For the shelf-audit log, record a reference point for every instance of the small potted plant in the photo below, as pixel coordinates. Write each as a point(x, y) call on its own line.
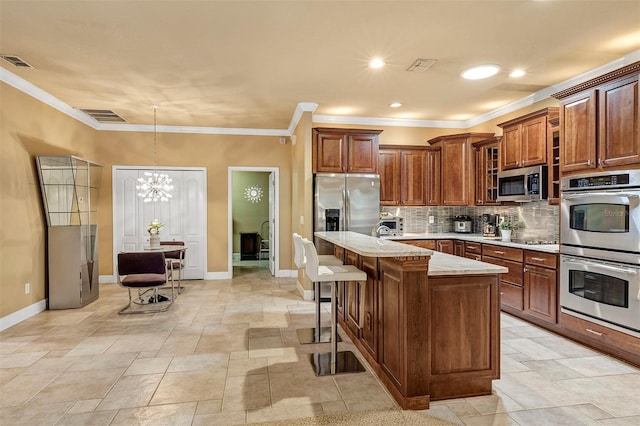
point(506, 227)
point(154, 233)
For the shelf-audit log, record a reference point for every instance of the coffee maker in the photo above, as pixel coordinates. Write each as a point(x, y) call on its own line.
point(490, 225)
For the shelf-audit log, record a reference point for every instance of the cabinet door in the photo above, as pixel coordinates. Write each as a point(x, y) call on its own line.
point(486, 183)
point(619, 115)
point(578, 132)
point(352, 294)
point(534, 142)
point(458, 248)
point(445, 246)
point(389, 170)
point(413, 172)
point(540, 297)
point(331, 152)
point(456, 174)
point(480, 173)
point(369, 311)
point(363, 153)
point(511, 145)
point(433, 177)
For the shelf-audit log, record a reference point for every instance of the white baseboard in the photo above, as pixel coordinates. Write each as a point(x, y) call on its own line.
point(306, 294)
point(23, 314)
point(218, 275)
point(107, 279)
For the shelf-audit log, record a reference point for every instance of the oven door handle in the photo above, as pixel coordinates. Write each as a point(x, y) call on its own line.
point(627, 271)
point(598, 194)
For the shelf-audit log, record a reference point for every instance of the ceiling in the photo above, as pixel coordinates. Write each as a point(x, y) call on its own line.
point(248, 64)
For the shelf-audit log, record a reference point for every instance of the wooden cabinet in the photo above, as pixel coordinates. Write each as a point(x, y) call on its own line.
point(600, 122)
point(511, 283)
point(249, 245)
point(541, 285)
point(445, 246)
point(457, 166)
point(345, 150)
point(369, 297)
point(428, 244)
point(433, 177)
point(403, 176)
point(352, 296)
point(473, 250)
point(487, 157)
point(524, 139)
point(458, 248)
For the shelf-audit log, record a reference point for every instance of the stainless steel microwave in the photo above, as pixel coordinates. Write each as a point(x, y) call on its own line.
point(523, 185)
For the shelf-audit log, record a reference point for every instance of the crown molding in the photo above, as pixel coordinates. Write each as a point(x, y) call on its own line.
point(34, 91)
point(30, 89)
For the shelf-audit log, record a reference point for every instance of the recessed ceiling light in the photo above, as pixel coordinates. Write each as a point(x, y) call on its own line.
point(480, 72)
point(395, 105)
point(517, 73)
point(376, 63)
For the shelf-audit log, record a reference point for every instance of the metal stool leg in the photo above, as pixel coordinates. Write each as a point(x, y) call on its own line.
point(318, 334)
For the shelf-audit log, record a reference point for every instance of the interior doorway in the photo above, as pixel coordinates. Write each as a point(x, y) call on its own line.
point(253, 219)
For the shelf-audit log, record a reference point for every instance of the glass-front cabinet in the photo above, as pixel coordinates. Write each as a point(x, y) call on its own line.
point(70, 187)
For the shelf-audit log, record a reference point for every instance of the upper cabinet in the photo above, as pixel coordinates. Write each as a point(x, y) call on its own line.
point(599, 122)
point(457, 167)
point(487, 156)
point(345, 150)
point(403, 176)
point(524, 139)
point(553, 159)
point(433, 177)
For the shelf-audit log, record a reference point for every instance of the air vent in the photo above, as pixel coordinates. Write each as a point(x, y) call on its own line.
point(421, 65)
point(16, 61)
point(104, 115)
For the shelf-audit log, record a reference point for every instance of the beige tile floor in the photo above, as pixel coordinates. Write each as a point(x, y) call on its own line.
point(227, 353)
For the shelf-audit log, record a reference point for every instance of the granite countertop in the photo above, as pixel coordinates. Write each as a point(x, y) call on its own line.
point(476, 238)
point(439, 264)
point(368, 246)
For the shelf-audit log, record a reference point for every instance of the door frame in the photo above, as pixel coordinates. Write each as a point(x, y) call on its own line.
point(205, 240)
point(274, 208)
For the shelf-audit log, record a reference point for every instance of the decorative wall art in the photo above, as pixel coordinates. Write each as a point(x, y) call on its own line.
point(253, 194)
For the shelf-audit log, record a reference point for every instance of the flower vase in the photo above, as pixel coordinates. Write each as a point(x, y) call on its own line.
point(154, 241)
point(505, 234)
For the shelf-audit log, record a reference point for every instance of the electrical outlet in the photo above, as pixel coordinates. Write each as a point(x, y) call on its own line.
point(432, 219)
point(301, 220)
point(27, 288)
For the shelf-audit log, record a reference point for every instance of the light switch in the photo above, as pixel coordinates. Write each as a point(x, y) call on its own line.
point(432, 219)
point(301, 220)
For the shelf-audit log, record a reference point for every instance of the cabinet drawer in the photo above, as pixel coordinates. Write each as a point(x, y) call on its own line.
point(473, 247)
point(502, 252)
point(473, 256)
point(547, 260)
point(511, 295)
point(600, 333)
point(428, 244)
point(514, 276)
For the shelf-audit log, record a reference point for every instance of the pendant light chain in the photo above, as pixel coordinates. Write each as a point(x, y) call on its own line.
point(156, 186)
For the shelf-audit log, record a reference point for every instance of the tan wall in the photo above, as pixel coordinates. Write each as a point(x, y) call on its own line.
point(29, 128)
point(215, 152)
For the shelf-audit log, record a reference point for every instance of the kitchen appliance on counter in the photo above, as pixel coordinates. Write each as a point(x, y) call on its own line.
point(600, 249)
point(523, 185)
point(394, 224)
point(490, 224)
point(345, 202)
point(463, 224)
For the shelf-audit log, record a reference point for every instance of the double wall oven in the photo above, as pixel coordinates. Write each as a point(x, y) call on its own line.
point(600, 249)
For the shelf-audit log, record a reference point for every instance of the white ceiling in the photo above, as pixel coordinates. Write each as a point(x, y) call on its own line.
point(248, 64)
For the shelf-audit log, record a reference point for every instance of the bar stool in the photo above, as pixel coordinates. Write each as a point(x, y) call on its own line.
point(332, 362)
point(315, 334)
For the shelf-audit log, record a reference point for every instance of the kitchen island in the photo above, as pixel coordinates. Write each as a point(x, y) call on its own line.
point(428, 323)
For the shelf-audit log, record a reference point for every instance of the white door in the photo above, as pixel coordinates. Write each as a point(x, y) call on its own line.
point(272, 191)
point(183, 216)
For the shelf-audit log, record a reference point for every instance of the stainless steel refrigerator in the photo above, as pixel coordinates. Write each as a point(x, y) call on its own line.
point(345, 202)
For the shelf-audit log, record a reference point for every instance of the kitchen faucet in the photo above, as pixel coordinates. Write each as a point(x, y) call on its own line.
point(377, 231)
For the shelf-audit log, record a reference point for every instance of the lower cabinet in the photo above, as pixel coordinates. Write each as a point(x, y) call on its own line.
point(369, 296)
point(352, 295)
point(540, 286)
point(511, 283)
point(445, 246)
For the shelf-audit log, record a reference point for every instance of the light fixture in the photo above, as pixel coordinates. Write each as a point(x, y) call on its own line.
point(376, 63)
point(480, 72)
point(154, 186)
point(395, 105)
point(517, 73)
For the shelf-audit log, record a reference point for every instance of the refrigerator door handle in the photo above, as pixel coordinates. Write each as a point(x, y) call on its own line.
point(347, 212)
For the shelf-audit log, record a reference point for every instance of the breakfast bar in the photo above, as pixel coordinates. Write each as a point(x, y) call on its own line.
point(428, 323)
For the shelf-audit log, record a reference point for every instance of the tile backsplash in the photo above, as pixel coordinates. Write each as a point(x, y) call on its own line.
point(537, 220)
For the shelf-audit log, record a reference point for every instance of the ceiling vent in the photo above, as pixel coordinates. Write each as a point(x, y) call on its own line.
point(421, 65)
point(104, 115)
point(16, 61)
